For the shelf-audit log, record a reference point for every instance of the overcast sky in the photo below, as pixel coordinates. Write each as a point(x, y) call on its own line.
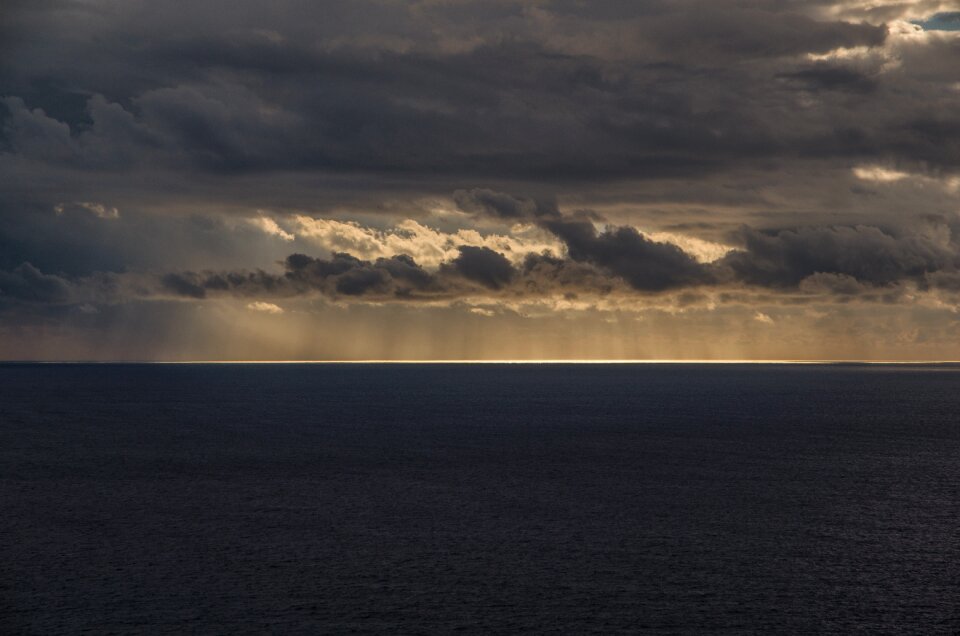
point(377, 179)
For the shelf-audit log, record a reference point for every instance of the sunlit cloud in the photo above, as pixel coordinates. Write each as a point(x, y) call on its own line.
point(885, 175)
point(763, 318)
point(264, 307)
point(879, 173)
point(702, 250)
point(269, 226)
point(429, 247)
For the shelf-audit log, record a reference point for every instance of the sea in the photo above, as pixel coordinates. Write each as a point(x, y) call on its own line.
point(479, 498)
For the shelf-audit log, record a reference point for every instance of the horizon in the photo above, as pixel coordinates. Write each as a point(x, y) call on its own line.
point(824, 362)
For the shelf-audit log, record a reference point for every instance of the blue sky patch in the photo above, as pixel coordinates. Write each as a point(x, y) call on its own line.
point(949, 21)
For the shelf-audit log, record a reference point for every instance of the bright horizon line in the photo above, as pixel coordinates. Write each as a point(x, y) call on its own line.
point(500, 361)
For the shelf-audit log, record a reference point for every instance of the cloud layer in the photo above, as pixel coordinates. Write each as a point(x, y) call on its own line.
point(477, 157)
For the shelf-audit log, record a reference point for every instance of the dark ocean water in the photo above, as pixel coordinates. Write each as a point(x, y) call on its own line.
point(301, 499)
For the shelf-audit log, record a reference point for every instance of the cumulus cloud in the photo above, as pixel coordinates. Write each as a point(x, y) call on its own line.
point(837, 261)
point(428, 246)
point(341, 275)
point(645, 264)
point(483, 265)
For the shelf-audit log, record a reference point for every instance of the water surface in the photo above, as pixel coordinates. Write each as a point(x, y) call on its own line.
point(479, 498)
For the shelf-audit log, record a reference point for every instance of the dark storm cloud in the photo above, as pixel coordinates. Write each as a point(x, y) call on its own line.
point(865, 254)
point(744, 32)
point(129, 105)
point(341, 275)
point(545, 275)
point(183, 285)
point(398, 275)
point(408, 93)
point(27, 283)
point(504, 206)
point(483, 265)
point(829, 77)
point(28, 293)
point(476, 272)
point(646, 265)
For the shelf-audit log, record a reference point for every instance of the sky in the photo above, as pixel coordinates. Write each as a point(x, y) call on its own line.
point(479, 179)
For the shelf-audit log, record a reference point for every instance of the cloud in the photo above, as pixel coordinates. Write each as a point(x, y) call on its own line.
point(269, 226)
point(483, 201)
point(591, 260)
point(98, 210)
point(879, 173)
point(509, 154)
point(267, 308)
point(342, 275)
point(426, 245)
point(763, 318)
point(483, 265)
point(823, 76)
point(183, 285)
point(837, 261)
point(27, 283)
point(867, 254)
point(736, 31)
point(32, 134)
point(645, 264)
point(221, 102)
